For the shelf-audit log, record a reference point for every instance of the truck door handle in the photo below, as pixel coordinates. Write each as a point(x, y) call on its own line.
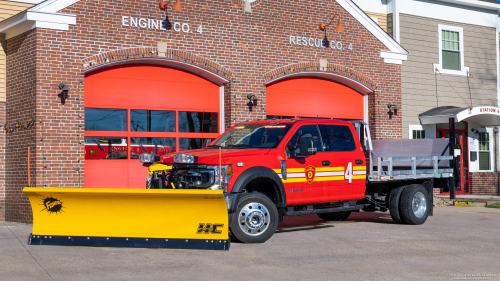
point(359, 162)
point(326, 163)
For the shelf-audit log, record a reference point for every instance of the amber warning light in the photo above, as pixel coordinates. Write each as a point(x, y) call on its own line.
point(275, 126)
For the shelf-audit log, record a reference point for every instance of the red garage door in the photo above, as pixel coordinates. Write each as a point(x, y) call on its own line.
point(313, 97)
point(135, 109)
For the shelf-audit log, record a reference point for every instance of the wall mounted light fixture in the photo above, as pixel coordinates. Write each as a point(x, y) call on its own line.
point(252, 101)
point(390, 112)
point(176, 6)
point(323, 27)
point(64, 92)
point(164, 7)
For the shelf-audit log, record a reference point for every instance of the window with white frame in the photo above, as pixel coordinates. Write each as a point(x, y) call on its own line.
point(417, 132)
point(451, 50)
point(484, 151)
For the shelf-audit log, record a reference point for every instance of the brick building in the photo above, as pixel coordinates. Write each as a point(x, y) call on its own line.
point(143, 79)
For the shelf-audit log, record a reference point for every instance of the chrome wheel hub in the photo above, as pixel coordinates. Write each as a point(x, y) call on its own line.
point(254, 219)
point(419, 204)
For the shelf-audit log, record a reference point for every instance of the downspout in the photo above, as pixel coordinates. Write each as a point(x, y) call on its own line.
point(393, 7)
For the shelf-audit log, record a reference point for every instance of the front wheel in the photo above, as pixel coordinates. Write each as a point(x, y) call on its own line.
point(336, 216)
point(255, 219)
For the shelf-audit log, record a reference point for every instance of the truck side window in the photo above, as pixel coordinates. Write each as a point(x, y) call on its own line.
point(306, 131)
point(337, 138)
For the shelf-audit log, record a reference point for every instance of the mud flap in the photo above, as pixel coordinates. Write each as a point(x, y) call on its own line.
point(146, 218)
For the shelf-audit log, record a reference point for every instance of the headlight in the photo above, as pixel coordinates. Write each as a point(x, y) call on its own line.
point(185, 158)
point(146, 158)
point(227, 173)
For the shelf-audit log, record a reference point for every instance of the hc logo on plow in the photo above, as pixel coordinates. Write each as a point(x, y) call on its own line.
point(209, 228)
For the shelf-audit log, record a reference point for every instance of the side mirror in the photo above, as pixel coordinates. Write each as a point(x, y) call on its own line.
point(307, 147)
point(207, 142)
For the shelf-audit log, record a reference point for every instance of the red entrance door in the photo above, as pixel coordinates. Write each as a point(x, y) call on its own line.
point(461, 134)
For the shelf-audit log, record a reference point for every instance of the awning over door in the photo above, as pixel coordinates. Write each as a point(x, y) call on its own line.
point(482, 115)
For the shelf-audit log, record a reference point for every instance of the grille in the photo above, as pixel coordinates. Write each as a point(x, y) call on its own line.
point(196, 178)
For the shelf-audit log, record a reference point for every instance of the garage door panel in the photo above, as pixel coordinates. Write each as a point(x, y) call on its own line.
point(141, 87)
point(152, 87)
point(311, 96)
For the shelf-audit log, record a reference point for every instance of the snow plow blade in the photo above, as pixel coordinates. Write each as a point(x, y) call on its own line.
point(143, 218)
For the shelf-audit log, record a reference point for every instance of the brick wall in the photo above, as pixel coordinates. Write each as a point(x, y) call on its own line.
point(249, 44)
point(20, 107)
point(484, 183)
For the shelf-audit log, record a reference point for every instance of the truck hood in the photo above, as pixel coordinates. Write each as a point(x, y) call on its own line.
point(211, 156)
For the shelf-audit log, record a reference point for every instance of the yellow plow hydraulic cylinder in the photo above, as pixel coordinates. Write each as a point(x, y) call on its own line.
point(145, 218)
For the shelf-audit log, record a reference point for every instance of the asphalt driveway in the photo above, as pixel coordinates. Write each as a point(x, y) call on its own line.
point(457, 242)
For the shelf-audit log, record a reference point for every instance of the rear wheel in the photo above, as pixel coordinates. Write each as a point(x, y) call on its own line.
point(394, 199)
point(414, 204)
point(335, 216)
point(255, 219)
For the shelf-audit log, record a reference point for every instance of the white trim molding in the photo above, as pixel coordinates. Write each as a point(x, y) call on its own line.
point(463, 69)
point(27, 1)
point(221, 110)
point(391, 57)
point(32, 19)
point(42, 15)
point(377, 31)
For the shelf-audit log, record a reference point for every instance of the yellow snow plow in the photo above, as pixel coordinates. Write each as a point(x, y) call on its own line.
point(144, 218)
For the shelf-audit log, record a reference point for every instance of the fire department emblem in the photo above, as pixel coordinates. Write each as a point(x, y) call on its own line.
point(310, 172)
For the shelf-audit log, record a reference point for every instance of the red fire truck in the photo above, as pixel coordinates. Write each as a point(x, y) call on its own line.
point(269, 169)
point(116, 148)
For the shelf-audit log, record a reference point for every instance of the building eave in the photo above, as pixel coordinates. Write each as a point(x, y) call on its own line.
point(396, 54)
point(28, 20)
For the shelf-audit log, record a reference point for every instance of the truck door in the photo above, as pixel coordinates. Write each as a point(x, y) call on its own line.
point(300, 185)
point(343, 166)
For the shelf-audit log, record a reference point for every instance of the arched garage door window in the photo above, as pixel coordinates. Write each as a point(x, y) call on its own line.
point(312, 97)
point(135, 109)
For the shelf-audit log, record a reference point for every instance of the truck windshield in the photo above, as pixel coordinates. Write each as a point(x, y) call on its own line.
point(252, 136)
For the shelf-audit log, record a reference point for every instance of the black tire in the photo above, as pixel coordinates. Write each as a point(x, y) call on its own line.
point(394, 199)
point(335, 216)
point(406, 207)
point(255, 219)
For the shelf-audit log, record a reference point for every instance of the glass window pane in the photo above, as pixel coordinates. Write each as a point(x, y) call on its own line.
point(190, 143)
point(105, 148)
point(451, 60)
point(337, 138)
point(306, 131)
point(103, 119)
point(484, 160)
point(157, 146)
point(414, 134)
point(190, 122)
point(152, 121)
point(423, 134)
